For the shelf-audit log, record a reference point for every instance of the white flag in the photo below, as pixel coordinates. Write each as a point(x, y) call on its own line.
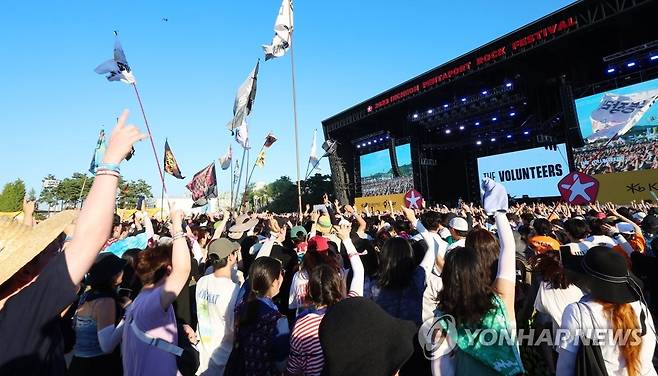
point(617, 114)
point(117, 68)
point(283, 27)
point(241, 135)
point(225, 160)
point(313, 157)
point(244, 99)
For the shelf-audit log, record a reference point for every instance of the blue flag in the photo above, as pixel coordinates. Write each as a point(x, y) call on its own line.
point(98, 152)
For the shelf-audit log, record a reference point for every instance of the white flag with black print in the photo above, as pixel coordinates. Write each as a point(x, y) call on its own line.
point(244, 99)
point(225, 160)
point(313, 156)
point(117, 68)
point(242, 136)
point(283, 27)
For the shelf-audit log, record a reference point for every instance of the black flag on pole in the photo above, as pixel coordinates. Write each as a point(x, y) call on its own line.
point(203, 186)
point(170, 164)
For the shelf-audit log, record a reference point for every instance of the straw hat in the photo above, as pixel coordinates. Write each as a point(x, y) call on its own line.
point(19, 243)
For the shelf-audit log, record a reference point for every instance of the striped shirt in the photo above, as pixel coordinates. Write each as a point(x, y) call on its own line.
point(305, 351)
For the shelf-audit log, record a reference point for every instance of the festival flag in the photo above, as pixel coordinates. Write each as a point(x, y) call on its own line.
point(618, 113)
point(313, 159)
point(260, 159)
point(269, 140)
point(99, 151)
point(283, 27)
point(242, 136)
point(244, 100)
point(203, 186)
point(225, 160)
point(170, 164)
point(117, 68)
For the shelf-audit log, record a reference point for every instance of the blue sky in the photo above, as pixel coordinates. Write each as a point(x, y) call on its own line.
point(380, 161)
point(189, 68)
point(586, 105)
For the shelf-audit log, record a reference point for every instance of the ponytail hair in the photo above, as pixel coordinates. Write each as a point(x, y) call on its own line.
point(548, 266)
point(262, 274)
point(151, 264)
point(623, 319)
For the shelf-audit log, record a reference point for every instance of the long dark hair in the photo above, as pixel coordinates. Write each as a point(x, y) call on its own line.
point(325, 286)
point(396, 264)
point(467, 293)
point(151, 264)
point(262, 274)
point(314, 258)
point(548, 266)
point(487, 248)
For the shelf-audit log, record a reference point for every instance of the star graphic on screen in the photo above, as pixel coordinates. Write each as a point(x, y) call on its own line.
point(578, 189)
point(413, 200)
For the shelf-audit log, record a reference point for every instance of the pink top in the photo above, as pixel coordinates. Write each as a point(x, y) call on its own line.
point(140, 358)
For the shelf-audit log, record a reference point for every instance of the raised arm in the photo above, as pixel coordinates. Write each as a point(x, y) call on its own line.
point(495, 202)
point(430, 254)
point(219, 229)
point(358, 272)
point(94, 223)
point(180, 263)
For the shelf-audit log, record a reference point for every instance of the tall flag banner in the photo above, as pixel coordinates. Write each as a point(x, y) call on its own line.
point(242, 136)
point(283, 27)
point(225, 160)
point(117, 68)
point(170, 164)
point(313, 159)
point(236, 172)
point(203, 186)
point(244, 100)
point(99, 151)
point(269, 141)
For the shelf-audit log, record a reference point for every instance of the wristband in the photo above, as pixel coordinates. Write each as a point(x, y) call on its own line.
point(178, 235)
point(107, 172)
point(109, 166)
point(350, 255)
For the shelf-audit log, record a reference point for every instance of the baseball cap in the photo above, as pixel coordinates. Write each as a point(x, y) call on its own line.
point(318, 243)
point(222, 247)
point(459, 224)
point(625, 228)
point(639, 216)
point(296, 230)
point(324, 224)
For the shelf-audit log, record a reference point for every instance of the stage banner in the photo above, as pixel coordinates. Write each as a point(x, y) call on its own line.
point(379, 202)
point(624, 187)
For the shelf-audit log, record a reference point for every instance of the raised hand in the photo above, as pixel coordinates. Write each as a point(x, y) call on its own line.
point(409, 214)
point(121, 141)
point(343, 231)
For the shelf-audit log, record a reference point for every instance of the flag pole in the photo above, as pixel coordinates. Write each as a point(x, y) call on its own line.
point(84, 182)
point(162, 201)
point(232, 176)
point(237, 190)
point(148, 129)
point(294, 110)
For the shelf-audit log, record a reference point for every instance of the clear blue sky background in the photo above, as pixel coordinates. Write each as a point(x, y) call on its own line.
point(189, 68)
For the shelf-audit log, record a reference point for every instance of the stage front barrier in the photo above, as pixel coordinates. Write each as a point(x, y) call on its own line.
point(379, 202)
point(624, 187)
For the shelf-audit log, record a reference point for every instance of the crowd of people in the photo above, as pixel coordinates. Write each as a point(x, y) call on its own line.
point(386, 186)
point(401, 292)
point(621, 156)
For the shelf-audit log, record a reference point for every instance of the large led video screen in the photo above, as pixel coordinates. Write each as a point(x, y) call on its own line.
point(380, 177)
point(531, 172)
point(630, 109)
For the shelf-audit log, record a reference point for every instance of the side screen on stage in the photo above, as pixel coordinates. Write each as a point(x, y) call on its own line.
point(631, 109)
point(531, 172)
point(379, 175)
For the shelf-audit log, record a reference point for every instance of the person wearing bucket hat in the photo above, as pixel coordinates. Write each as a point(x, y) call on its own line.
point(97, 321)
point(243, 223)
point(615, 304)
point(31, 337)
point(216, 296)
point(359, 338)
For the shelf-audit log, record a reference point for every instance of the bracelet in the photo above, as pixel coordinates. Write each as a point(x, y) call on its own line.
point(109, 166)
point(107, 172)
point(350, 255)
point(178, 235)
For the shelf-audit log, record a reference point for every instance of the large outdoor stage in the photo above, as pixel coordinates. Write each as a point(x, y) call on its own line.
point(524, 109)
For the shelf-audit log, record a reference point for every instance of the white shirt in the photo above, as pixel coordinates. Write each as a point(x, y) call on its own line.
point(215, 303)
point(553, 301)
point(614, 362)
point(459, 243)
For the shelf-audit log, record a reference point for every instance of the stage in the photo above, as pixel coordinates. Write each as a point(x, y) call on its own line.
point(516, 108)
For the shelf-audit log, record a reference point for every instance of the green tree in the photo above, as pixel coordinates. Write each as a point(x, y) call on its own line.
point(130, 190)
point(283, 195)
point(11, 198)
point(49, 194)
point(315, 187)
point(68, 192)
